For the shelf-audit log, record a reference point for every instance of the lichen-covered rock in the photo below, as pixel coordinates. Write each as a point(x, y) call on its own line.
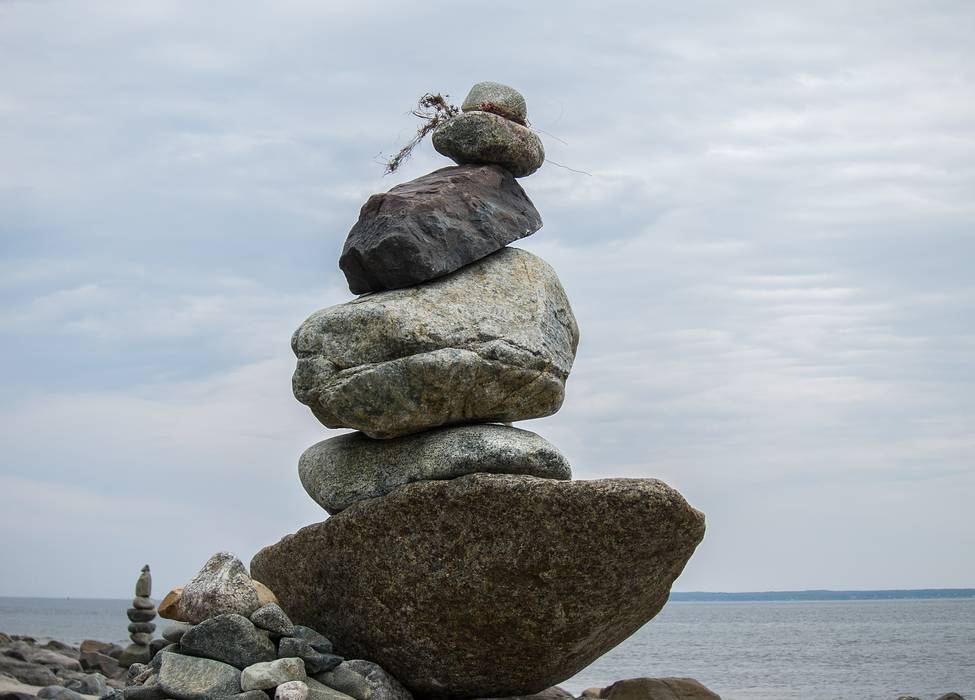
point(483, 137)
point(489, 587)
point(272, 618)
point(271, 674)
point(191, 678)
point(431, 226)
point(342, 470)
point(493, 341)
point(500, 99)
point(364, 680)
point(230, 638)
point(222, 586)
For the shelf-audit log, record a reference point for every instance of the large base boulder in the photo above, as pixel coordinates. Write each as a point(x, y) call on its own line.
point(487, 585)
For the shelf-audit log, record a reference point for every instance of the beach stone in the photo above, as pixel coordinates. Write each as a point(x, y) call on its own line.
point(169, 605)
point(143, 603)
point(433, 225)
point(192, 678)
point(265, 595)
point(951, 696)
point(315, 661)
point(489, 583)
point(146, 627)
point(364, 680)
point(483, 137)
point(553, 693)
point(157, 645)
point(134, 653)
point(272, 618)
point(49, 657)
point(173, 632)
point(251, 695)
point(93, 645)
point(270, 674)
point(144, 692)
point(141, 638)
point(96, 661)
point(16, 695)
point(58, 692)
point(319, 642)
point(136, 615)
point(658, 689)
point(320, 691)
point(87, 684)
point(342, 470)
point(230, 638)
point(26, 672)
point(500, 99)
point(137, 672)
point(222, 586)
point(292, 690)
point(494, 341)
point(143, 585)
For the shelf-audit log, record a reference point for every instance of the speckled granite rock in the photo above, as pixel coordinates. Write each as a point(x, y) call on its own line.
point(500, 99)
point(342, 470)
point(364, 680)
point(483, 137)
point(191, 678)
point(658, 689)
point(433, 225)
point(493, 341)
point(491, 586)
point(230, 638)
point(221, 586)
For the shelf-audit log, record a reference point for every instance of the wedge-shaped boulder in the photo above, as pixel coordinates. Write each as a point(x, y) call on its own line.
point(493, 341)
point(221, 586)
point(431, 226)
point(342, 470)
point(487, 585)
point(484, 137)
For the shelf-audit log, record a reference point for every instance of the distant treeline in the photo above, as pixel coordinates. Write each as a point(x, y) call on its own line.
point(827, 595)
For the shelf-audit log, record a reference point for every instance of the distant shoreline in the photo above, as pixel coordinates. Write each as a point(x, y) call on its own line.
point(823, 595)
point(719, 596)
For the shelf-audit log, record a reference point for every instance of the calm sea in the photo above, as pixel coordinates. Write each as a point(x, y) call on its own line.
point(830, 650)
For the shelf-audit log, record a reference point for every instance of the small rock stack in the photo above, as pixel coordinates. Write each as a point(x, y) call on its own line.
point(231, 639)
point(141, 625)
point(459, 554)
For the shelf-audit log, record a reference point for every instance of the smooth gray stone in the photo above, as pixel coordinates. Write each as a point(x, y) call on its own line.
point(497, 574)
point(364, 680)
point(291, 690)
point(342, 470)
point(271, 674)
point(500, 99)
point(272, 618)
point(433, 225)
point(251, 695)
point(174, 631)
point(141, 638)
point(230, 638)
point(144, 692)
point(157, 645)
point(134, 653)
point(137, 615)
point(58, 692)
point(315, 661)
point(319, 642)
point(320, 691)
point(144, 627)
point(221, 586)
point(87, 684)
point(483, 137)
point(143, 603)
point(191, 678)
point(143, 586)
point(494, 341)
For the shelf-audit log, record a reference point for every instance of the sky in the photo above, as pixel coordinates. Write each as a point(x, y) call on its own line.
point(769, 253)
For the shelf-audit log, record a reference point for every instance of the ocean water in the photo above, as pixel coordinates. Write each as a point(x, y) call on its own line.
point(828, 650)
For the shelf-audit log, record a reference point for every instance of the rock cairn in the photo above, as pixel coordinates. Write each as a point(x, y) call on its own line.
point(460, 555)
point(231, 639)
point(141, 625)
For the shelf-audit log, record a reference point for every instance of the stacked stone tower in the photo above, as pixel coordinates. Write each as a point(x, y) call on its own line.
point(460, 556)
point(141, 625)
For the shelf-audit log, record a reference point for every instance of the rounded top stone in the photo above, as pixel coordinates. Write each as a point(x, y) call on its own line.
point(497, 98)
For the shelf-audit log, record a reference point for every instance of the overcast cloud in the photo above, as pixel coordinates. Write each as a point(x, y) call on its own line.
point(771, 264)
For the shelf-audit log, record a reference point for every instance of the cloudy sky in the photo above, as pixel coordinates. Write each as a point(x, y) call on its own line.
point(771, 261)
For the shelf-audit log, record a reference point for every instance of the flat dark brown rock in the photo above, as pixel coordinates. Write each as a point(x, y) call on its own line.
point(433, 225)
point(486, 585)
